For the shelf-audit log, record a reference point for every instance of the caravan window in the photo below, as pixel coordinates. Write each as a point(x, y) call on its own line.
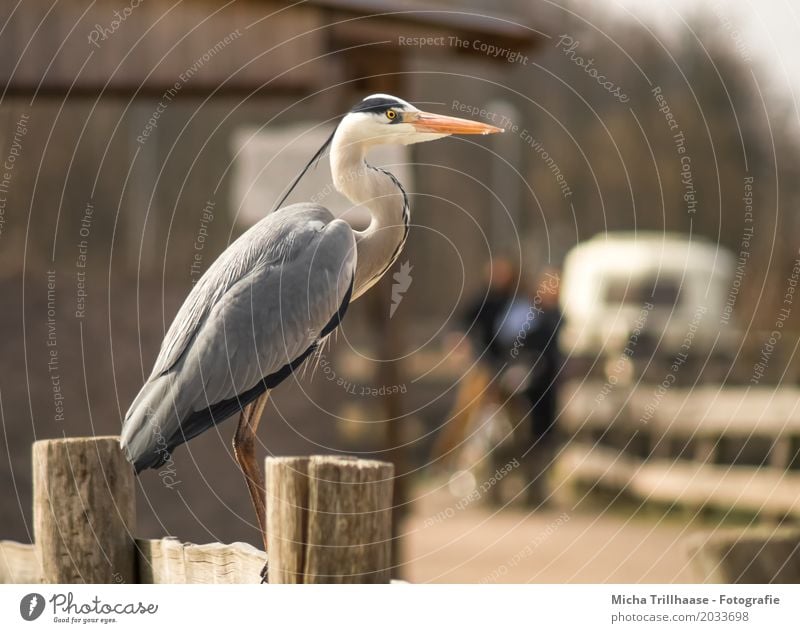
point(660, 291)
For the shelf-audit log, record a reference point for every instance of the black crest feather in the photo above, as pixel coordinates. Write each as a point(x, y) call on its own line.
point(376, 104)
point(314, 160)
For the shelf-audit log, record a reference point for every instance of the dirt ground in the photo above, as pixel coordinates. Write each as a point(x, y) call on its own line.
point(474, 543)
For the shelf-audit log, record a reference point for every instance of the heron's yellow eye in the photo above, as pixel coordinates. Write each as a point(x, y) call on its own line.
point(391, 115)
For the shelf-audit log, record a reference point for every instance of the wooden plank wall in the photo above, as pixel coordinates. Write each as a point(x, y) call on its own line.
point(87, 43)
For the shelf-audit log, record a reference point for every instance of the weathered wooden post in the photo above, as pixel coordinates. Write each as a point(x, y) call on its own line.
point(83, 510)
point(329, 519)
point(755, 555)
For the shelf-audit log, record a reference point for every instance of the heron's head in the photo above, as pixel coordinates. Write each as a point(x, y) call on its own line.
point(384, 119)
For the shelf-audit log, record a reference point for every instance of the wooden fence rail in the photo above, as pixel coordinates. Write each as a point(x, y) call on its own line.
point(328, 521)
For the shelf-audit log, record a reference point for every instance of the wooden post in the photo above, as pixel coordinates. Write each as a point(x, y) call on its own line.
point(759, 555)
point(329, 520)
point(83, 510)
point(287, 515)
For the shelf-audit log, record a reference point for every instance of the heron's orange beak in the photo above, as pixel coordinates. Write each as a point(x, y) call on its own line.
point(440, 124)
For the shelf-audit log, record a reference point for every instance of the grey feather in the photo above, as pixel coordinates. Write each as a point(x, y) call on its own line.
point(261, 305)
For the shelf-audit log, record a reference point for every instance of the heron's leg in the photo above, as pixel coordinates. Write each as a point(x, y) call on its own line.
point(244, 448)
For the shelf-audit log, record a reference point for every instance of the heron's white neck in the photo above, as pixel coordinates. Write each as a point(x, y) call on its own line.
point(381, 242)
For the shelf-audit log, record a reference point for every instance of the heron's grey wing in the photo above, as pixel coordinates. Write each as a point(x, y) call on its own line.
point(233, 264)
point(273, 315)
point(269, 242)
point(265, 302)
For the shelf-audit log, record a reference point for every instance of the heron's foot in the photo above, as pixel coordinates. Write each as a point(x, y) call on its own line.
point(265, 574)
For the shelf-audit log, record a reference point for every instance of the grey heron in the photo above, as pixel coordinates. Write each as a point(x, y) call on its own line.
point(274, 295)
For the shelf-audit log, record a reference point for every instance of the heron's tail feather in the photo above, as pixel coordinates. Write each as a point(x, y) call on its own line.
point(151, 422)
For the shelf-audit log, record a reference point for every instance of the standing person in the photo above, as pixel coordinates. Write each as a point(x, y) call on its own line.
point(541, 347)
point(485, 317)
point(481, 351)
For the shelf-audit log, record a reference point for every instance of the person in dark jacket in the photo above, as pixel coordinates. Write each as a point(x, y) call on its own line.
point(477, 346)
point(484, 317)
point(541, 349)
